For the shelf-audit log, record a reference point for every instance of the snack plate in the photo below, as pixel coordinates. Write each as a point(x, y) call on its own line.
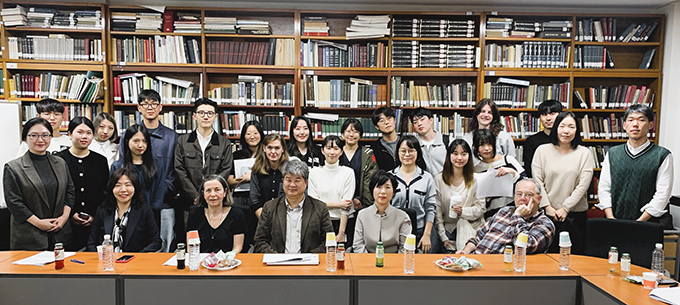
point(238, 263)
point(450, 268)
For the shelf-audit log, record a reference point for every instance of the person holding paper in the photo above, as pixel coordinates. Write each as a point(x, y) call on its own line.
point(381, 221)
point(39, 193)
point(486, 116)
point(415, 191)
point(484, 144)
point(219, 225)
point(564, 168)
point(295, 222)
point(459, 211)
point(265, 180)
point(502, 229)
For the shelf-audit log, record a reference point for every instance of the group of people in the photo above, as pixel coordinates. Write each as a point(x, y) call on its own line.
point(76, 191)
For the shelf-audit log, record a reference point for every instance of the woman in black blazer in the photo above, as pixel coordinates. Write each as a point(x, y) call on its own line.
point(125, 217)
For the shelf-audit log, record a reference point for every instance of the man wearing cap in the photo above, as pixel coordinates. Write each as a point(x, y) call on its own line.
point(294, 222)
point(504, 227)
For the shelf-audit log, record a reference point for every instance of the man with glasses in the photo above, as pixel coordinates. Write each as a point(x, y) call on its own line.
point(432, 143)
point(202, 152)
point(52, 111)
point(163, 141)
point(384, 148)
point(502, 229)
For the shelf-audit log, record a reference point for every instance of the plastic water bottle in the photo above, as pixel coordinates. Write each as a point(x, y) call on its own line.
point(410, 254)
point(107, 253)
point(657, 260)
point(521, 252)
point(565, 250)
point(194, 242)
point(613, 259)
point(331, 245)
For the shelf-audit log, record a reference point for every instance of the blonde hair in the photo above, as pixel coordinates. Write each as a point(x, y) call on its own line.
point(261, 165)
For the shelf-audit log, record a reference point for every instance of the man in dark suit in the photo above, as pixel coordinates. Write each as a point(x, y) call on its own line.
point(293, 223)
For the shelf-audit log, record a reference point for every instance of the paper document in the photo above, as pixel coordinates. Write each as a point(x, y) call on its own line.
point(241, 167)
point(173, 260)
point(41, 259)
point(488, 185)
point(666, 295)
point(290, 259)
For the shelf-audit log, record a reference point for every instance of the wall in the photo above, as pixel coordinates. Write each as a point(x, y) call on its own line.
point(670, 105)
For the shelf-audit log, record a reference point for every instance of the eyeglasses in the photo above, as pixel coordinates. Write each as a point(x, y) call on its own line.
point(51, 114)
point(152, 105)
point(35, 136)
point(209, 114)
point(528, 194)
point(408, 152)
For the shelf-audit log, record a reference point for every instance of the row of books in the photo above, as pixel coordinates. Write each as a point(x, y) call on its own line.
point(602, 127)
point(427, 27)
point(525, 95)
point(455, 125)
point(276, 51)
point(598, 152)
point(339, 93)
point(55, 47)
point(159, 49)
point(185, 22)
point(254, 93)
point(614, 97)
point(321, 53)
point(127, 87)
point(315, 26)
point(592, 57)
point(605, 30)
point(414, 54)
point(408, 94)
point(220, 25)
point(43, 17)
point(86, 88)
point(322, 129)
point(560, 29)
point(89, 111)
point(529, 54)
point(368, 26)
point(136, 22)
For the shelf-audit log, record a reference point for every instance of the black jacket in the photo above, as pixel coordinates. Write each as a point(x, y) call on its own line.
point(141, 234)
point(189, 158)
point(382, 156)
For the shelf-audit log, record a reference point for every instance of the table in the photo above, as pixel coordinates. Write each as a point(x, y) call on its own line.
point(145, 281)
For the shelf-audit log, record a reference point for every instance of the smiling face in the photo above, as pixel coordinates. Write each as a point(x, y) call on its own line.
point(459, 157)
point(301, 131)
point(351, 135)
point(526, 192)
point(422, 124)
point(123, 190)
point(485, 117)
point(566, 131)
point(205, 116)
point(294, 185)
point(253, 137)
point(38, 139)
point(274, 150)
point(637, 126)
point(213, 193)
point(407, 155)
point(81, 136)
point(105, 130)
point(332, 152)
point(137, 144)
point(383, 194)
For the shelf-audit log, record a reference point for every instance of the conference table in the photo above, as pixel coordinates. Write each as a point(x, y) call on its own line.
point(145, 280)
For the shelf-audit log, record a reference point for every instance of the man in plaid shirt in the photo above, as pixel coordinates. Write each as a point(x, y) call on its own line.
point(502, 229)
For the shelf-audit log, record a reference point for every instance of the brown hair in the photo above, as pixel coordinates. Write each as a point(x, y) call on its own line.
point(496, 126)
point(468, 169)
point(261, 165)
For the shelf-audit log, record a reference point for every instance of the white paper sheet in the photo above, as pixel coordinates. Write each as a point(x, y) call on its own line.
point(41, 259)
point(241, 167)
point(290, 259)
point(666, 295)
point(488, 185)
point(173, 260)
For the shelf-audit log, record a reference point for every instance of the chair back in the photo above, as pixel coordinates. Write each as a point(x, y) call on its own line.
point(638, 238)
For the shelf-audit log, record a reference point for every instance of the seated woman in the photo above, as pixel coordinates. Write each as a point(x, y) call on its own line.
point(484, 145)
point(219, 226)
point(457, 197)
point(381, 221)
point(125, 217)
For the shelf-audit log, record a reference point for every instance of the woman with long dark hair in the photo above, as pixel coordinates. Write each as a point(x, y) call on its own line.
point(301, 144)
point(105, 137)
point(487, 116)
point(125, 217)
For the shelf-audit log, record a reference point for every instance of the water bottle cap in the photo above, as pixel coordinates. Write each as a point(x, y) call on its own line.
point(613, 248)
point(659, 246)
point(565, 241)
point(107, 236)
point(522, 240)
point(193, 238)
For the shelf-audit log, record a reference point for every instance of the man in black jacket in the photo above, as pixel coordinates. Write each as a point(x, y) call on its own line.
point(385, 148)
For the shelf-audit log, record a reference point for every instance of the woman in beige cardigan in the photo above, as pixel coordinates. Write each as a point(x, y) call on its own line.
point(459, 211)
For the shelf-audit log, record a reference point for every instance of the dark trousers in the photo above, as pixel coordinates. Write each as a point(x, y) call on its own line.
point(349, 230)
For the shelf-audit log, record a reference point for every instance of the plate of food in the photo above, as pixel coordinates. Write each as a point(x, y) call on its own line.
point(221, 261)
point(452, 263)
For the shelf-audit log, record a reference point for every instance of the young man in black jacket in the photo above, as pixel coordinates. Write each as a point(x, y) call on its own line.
point(548, 111)
point(385, 147)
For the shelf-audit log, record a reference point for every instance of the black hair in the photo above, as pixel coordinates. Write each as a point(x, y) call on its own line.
point(554, 134)
point(49, 105)
point(292, 142)
point(242, 140)
point(421, 111)
point(387, 111)
point(639, 108)
point(380, 178)
point(355, 123)
point(148, 94)
point(412, 142)
point(75, 122)
point(204, 101)
point(138, 199)
point(468, 169)
point(481, 137)
point(332, 139)
point(106, 116)
point(226, 202)
point(495, 126)
point(32, 122)
point(149, 168)
point(549, 106)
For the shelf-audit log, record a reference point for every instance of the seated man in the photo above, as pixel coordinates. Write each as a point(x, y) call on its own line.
point(502, 229)
point(293, 223)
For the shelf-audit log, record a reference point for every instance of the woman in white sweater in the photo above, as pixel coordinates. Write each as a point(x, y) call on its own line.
point(565, 169)
point(334, 184)
point(459, 211)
